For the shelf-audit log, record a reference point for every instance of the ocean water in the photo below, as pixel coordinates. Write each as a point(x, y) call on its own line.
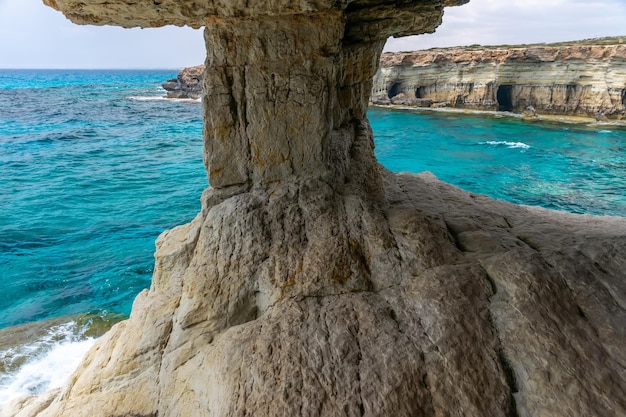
point(95, 164)
point(575, 168)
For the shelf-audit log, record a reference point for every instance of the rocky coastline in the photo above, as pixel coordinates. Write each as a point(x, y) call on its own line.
point(314, 282)
point(568, 80)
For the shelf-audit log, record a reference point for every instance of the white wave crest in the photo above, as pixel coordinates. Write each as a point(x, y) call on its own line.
point(164, 98)
point(147, 98)
point(510, 145)
point(49, 363)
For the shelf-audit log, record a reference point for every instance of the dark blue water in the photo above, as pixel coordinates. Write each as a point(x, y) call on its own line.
point(95, 164)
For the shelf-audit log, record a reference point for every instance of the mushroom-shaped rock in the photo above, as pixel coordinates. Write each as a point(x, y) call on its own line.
point(287, 81)
point(315, 283)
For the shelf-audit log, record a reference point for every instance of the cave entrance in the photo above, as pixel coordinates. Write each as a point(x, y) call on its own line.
point(394, 90)
point(505, 97)
point(624, 97)
point(419, 92)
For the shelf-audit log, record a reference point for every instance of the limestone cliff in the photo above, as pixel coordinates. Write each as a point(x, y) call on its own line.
point(580, 80)
point(315, 283)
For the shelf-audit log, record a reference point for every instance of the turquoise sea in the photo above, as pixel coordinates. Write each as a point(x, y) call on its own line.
point(95, 164)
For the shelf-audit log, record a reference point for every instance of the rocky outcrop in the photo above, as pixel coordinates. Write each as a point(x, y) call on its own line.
point(579, 80)
point(188, 84)
point(315, 283)
point(435, 302)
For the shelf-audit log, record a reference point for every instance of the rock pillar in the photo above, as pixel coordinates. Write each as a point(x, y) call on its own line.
point(315, 283)
point(285, 99)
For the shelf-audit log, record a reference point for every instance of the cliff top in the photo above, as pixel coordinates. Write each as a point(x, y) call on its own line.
point(605, 41)
point(597, 48)
point(609, 40)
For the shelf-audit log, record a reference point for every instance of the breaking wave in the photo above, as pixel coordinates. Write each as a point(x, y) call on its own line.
point(32, 367)
point(164, 98)
point(510, 145)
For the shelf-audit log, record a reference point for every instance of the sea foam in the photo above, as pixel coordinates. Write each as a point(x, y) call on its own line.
point(43, 364)
point(511, 145)
point(163, 98)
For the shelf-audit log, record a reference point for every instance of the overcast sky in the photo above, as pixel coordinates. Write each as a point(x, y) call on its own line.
point(497, 22)
point(35, 36)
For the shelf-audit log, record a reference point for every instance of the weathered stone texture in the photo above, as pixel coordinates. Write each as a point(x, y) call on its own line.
point(432, 302)
point(315, 283)
point(565, 80)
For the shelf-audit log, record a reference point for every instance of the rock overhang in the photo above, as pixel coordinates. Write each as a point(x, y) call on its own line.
point(313, 280)
point(366, 18)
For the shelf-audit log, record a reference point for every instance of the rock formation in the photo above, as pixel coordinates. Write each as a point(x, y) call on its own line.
point(579, 80)
point(315, 283)
point(573, 80)
point(188, 84)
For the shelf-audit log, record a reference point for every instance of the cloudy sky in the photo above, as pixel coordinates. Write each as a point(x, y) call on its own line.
point(497, 22)
point(34, 36)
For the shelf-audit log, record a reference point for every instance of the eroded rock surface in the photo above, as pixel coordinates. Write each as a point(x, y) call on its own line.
point(578, 80)
point(315, 283)
point(432, 302)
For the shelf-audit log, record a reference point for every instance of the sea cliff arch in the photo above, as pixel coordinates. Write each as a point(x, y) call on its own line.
point(316, 283)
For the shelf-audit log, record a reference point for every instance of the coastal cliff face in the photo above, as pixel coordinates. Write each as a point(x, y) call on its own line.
point(575, 80)
point(315, 283)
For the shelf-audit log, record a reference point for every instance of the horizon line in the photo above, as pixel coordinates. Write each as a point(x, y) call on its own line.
point(92, 69)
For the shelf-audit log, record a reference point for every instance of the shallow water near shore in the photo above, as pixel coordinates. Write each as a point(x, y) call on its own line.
point(569, 167)
point(95, 164)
